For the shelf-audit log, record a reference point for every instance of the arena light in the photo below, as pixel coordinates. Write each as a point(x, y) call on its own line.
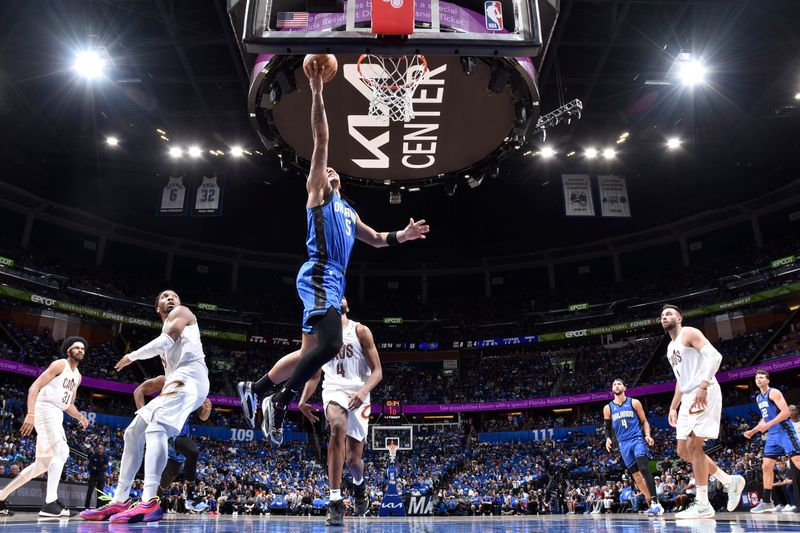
point(112, 141)
point(673, 143)
point(590, 153)
point(797, 96)
point(89, 64)
point(175, 152)
point(548, 152)
point(692, 72)
point(194, 152)
point(237, 151)
point(609, 153)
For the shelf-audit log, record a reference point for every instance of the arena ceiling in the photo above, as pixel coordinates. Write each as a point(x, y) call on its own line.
point(175, 67)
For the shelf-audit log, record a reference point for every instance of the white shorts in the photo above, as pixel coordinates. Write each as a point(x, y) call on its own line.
point(183, 393)
point(704, 424)
point(357, 419)
point(49, 425)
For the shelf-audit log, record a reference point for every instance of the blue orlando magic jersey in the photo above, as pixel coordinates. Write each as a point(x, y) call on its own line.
point(769, 410)
point(625, 421)
point(331, 232)
point(184, 430)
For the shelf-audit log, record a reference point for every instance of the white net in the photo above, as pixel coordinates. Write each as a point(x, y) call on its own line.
point(392, 451)
point(393, 80)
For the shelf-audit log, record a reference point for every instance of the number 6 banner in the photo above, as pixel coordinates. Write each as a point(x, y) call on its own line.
point(173, 197)
point(208, 197)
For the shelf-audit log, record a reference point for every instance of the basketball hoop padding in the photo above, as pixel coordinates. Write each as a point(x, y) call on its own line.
point(392, 17)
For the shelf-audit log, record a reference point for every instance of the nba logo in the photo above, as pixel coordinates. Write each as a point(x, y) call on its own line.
point(494, 15)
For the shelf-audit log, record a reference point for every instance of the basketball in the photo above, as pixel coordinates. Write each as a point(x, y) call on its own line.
point(326, 61)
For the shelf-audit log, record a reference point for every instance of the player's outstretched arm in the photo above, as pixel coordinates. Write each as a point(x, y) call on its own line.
point(150, 386)
point(413, 231)
point(317, 183)
point(72, 411)
point(176, 321)
point(55, 368)
point(373, 361)
point(637, 406)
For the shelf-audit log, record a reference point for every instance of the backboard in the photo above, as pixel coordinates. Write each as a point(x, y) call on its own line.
point(455, 27)
point(480, 78)
point(403, 436)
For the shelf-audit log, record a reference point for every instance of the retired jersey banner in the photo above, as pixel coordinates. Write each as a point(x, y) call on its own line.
point(173, 197)
point(578, 195)
point(614, 196)
point(208, 197)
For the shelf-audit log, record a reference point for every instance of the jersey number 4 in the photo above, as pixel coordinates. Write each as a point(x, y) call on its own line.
point(340, 369)
point(624, 423)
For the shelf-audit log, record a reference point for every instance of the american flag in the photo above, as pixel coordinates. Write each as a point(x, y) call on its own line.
point(292, 19)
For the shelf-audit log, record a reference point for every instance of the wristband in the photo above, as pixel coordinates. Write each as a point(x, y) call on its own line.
point(391, 239)
point(30, 415)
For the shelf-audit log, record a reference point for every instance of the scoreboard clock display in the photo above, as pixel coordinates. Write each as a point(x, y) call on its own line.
point(392, 409)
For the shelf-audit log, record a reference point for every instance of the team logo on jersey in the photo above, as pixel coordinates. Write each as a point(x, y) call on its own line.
point(675, 357)
point(494, 15)
point(345, 351)
point(397, 4)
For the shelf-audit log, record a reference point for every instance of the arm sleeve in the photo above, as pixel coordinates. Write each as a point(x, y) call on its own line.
point(157, 346)
point(609, 429)
point(711, 361)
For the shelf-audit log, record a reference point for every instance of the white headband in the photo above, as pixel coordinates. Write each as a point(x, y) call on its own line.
point(78, 344)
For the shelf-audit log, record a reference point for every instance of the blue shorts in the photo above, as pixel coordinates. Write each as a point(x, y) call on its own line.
point(632, 449)
point(172, 453)
point(780, 443)
point(320, 287)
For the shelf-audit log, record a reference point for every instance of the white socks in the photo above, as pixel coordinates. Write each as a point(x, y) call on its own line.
point(702, 495)
point(722, 476)
point(336, 495)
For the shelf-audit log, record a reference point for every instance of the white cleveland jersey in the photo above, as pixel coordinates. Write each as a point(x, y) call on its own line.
point(60, 391)
point(207, 198)
point(186, 350)
point(173, 195)
point(348, 370)
point(686, 363)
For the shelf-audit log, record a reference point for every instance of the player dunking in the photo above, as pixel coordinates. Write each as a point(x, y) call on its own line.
point(625, 419)
point(782, 439)
point(186, 378)
point(349, 378)
point(333, 227)
point(695, 362)
point(182, 449)
point(49, 397)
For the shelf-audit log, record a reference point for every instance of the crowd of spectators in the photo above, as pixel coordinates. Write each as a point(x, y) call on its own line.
point(273, 310)
point(463, 476)
point(493, 375)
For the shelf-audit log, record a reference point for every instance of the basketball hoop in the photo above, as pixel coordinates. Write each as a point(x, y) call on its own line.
point(392, 447)
point(392, 80)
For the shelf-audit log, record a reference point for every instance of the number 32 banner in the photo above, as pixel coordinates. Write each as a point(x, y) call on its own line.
point(208, 197)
